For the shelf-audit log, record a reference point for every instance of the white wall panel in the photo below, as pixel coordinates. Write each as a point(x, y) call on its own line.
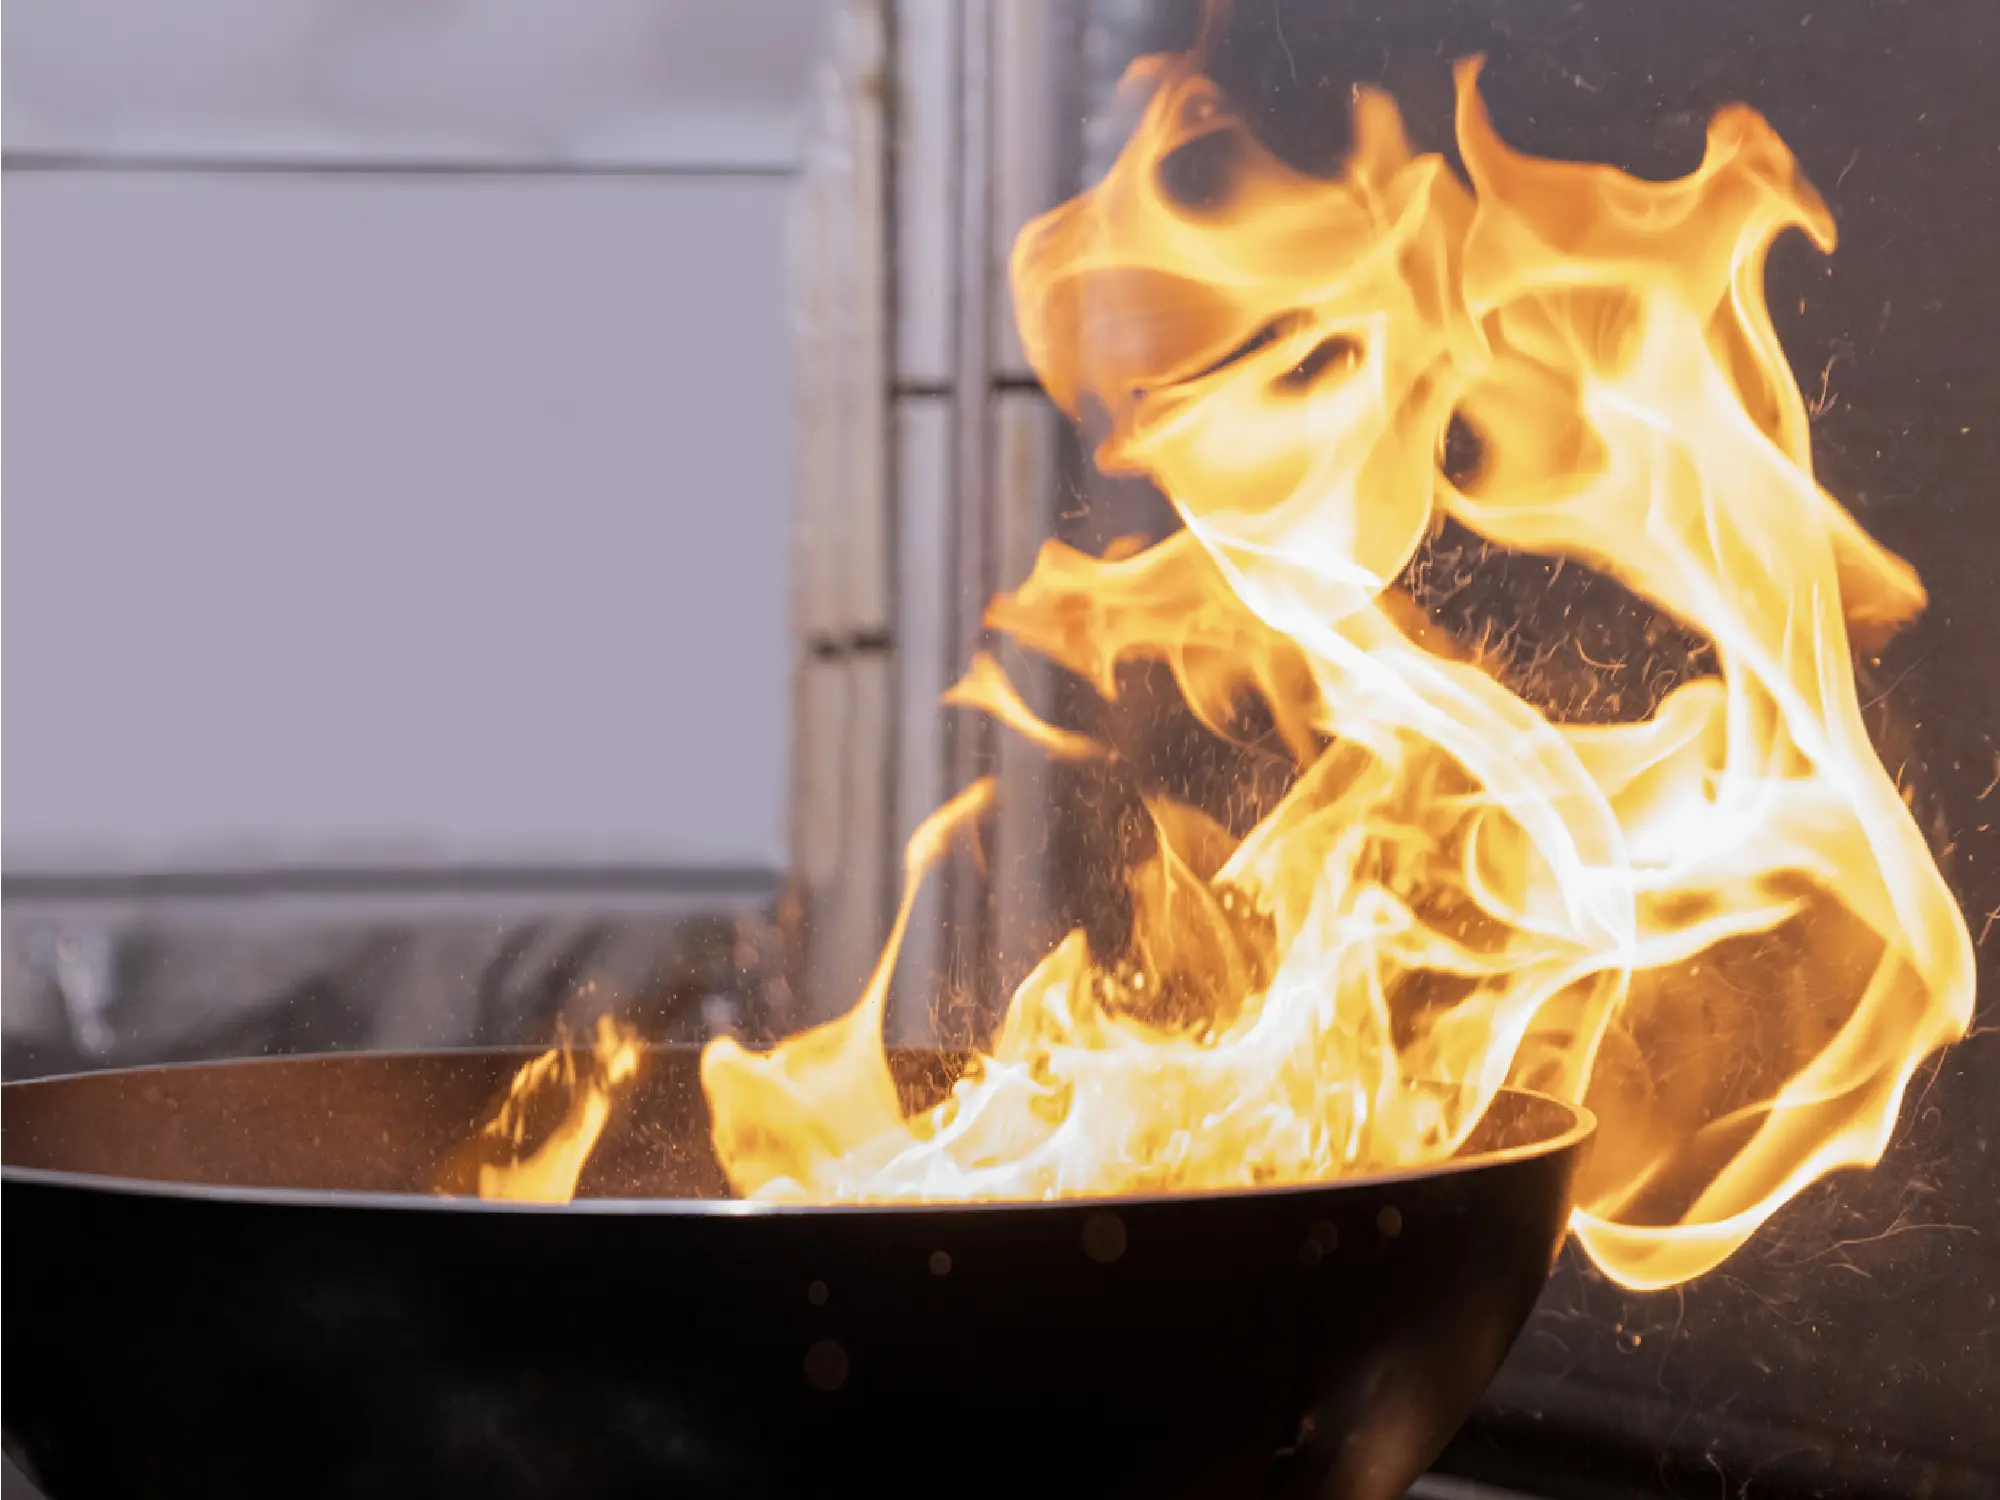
point(358, 519)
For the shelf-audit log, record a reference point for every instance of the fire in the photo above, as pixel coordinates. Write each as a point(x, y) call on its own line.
point(548, 1173)
point(1717, 925)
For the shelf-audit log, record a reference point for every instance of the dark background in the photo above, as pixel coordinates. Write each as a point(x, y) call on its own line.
point(1854, 1346)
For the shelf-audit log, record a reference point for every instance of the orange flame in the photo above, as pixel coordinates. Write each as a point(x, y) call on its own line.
point(1718, 927)
point(549, 1173)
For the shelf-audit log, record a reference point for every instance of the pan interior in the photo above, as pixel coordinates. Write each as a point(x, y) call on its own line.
point(399, 1122)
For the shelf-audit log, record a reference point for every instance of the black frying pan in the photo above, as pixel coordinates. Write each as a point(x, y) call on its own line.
point(234, 1279)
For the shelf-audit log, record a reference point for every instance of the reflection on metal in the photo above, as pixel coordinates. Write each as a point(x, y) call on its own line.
point(85, 975)
point(121, 982)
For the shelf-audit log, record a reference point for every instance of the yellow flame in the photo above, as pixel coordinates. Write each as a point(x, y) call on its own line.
point(549, 1173)
point(1718, 926)
point(826, 1094)
point(985, 686)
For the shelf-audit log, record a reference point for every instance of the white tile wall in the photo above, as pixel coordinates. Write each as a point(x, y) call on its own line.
point(841, 824)
point(1034, 68)
point(1027, 430)
point(926, 82)
point(923, 624)
point(840, 284)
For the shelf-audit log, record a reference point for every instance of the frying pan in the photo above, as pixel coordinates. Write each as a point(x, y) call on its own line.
point(238, 1279)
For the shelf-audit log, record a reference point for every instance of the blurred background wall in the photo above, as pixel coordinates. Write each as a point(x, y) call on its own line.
point(398, 464)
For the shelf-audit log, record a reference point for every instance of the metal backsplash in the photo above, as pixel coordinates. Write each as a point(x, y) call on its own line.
point(242, 966)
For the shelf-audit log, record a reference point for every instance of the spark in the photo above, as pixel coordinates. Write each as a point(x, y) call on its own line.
point(1899, 680)
point(1278, 23)
point(1819, 408)
point(1993, 783)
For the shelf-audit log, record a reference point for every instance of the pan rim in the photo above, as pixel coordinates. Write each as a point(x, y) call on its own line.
point(1582, 1125)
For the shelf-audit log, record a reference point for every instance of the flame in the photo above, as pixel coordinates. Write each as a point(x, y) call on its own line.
point(549, 1173)
point(1717, 925)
